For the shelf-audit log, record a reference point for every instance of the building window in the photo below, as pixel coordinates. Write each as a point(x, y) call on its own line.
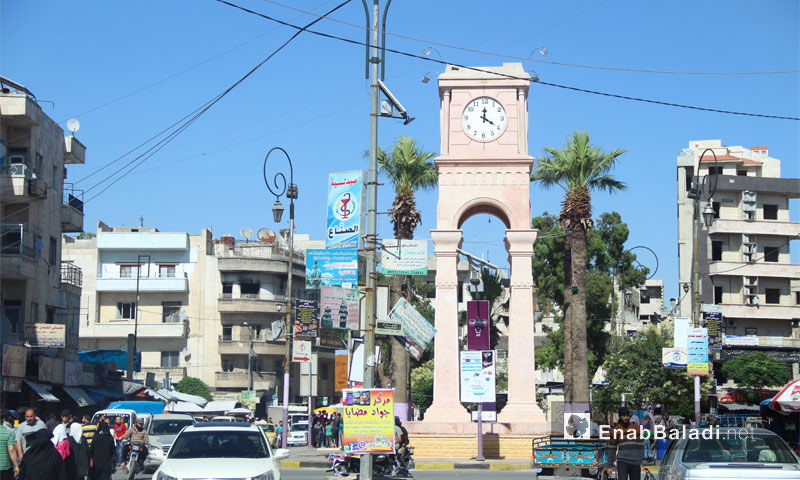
point(227, 332)
point(797, 298)
point(771, 254)
point(741, 173)
point(715, 170)
point(227, 365)
point(126, 310)
point(715, 206)
point(53, 253)
point(51, 315)
point(250, 289)
point(12, 310)
point(643, 296)
point(170, 359)
point(773, 295)
point(55, 178)
point(717, 295)
point(689, 177)
point(34, 312)
point(770, 212)
point(460, 297)
point(751, 331)
point(166, 271)
point(128, 271)
point(227, 290)
point(170, 312)
point(716, 250)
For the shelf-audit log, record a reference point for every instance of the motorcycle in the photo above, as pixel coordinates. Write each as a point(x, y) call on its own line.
point(134, 465)
point(384, 465)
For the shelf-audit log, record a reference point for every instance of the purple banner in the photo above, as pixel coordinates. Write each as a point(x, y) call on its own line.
point(478, 325)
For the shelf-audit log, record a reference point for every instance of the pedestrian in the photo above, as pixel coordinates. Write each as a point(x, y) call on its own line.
point(647, 437)
point(102, 453)
point(9, 464)
point(329, 435)
point(625, 444)
point(119, 429)
point(279, 433)
point(41, 461)
point(335, 431)
point(341, 430)
point(317, 431)
point(88, 430)
point(31, 425)
point(52, 422)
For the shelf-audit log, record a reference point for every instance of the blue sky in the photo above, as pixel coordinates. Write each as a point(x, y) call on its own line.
point(127, 70)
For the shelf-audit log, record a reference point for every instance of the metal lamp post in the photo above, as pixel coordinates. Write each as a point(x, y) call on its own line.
point(249, 356)
point(290, 190)
point(475, 280)
point(132, 356)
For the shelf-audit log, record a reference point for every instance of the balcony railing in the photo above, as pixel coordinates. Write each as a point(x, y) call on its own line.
point(73, 197)
point(17, 240)
point(71, 274)
point(258, 250)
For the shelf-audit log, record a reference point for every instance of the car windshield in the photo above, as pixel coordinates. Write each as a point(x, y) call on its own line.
point(169, 426)
point(750, 448)
point(268, 428)
point(219, 444)
point(300, 427)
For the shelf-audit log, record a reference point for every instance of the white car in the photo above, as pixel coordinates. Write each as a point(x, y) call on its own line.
point(297, 434)
point(221, 450)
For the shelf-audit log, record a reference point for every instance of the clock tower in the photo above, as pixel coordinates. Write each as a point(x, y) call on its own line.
point(484, 167)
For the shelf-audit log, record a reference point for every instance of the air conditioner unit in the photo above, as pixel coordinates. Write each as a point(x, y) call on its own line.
point(16, 158)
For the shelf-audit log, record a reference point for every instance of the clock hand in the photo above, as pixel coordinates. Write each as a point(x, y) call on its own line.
point(486, 119)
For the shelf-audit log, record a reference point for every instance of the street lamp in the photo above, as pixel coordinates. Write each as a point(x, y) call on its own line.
point(249, 356)
point(475, 280)
point(290, 190)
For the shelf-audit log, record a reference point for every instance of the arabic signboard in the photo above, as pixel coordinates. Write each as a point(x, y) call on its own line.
point(744, 340)
point(477, 371)
point(417, 331)
point(478, 325)
point(339, 308)
point(697, 351)
point(712, 320)
point(11, 384)
point(331, 268)
point(388, 327)
point(681, 332)
point(73, 373)
point(45, 369)
point(674, 358)
point(45, 334)
point(369, 418)
point(306, 313)
point(404, 257)
point(340, 370)
point(14, 361)
point(346, 195)
point(301, 351)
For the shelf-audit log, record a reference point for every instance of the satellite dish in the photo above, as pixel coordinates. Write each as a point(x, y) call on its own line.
point(266, 235)
point(73, 125)
point(246, 233)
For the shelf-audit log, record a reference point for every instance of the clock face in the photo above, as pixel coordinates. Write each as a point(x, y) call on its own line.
point(484, 119)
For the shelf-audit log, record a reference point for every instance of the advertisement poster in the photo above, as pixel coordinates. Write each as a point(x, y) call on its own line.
point(388, 327)
point(340, 370)
point(14, 358)
point(45, 369)
point(477, 374)
point(339, 308)
point(743, 340)
point(712, 320)
point(697, 352)
point(11, 384)
point(673, 358)
point(73, 373)
point(369, 419)
point(681, 331)
point(57, 372)
point(417, 331)
point(301, 351)
point(478, 325)
point(331, 268)
point(45, 334)
point(346, 195)
point(404, 257)
point(306, 313)
point(249, 399)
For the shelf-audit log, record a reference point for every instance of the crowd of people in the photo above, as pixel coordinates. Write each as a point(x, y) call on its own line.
point(34, 449)
point(326, 428)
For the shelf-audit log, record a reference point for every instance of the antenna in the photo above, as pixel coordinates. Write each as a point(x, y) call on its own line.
point(73, 125)
point(266, 235)
point(246, 233)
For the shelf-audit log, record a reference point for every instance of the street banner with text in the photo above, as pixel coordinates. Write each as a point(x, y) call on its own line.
point(477, 369)
point(340, 370)
point(14, 359)
point(331, 268)
point(73, 373)
point(45, 334)
point(673, 358)
point(339, 308)
point(306, 313)
point(712, 320)
point(301, 351)
point(697, 351)
point(404, 257)
point(369, 421)
point(417, 332)
point(346, 195)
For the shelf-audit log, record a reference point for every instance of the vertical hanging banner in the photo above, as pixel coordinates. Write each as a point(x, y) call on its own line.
point(331, 268)
point(478, 376)
point(697, 349)
point(712, 320)
point(306, 313)
point(340, 370)
point(404, 257)
point(417, 332)
point(369, 421)
point(346, 193)
point(14, 360)
point(478, 325)
point(339, 308)
point(681, 331)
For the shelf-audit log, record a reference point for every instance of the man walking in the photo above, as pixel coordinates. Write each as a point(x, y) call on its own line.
point(119, 429)
point(626, 445)
point(9, 466)
point(31, 425)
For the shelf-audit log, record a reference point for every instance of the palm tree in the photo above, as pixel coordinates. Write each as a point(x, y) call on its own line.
point(579, 168)
point(409, 168)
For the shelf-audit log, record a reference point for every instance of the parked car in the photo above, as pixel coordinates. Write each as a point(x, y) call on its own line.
point(227, 418)
point(221, 450)
point(297, 434)
point(734, 453)
point(128, 416)
point(270, 430)
point(163, 430)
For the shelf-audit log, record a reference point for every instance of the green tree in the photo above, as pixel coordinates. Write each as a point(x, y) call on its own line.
point(756, 371)
point(422, 386)
point(193, 386)
point(409, 169)
point(578, 169)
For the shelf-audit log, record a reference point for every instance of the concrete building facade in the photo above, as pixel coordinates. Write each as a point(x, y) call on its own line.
point(744, 256)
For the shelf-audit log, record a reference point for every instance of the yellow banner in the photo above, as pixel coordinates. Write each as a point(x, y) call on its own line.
point(700, 368)
point(368, 421)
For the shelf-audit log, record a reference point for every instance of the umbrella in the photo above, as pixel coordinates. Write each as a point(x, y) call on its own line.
point(329, 409)
point(788, 399)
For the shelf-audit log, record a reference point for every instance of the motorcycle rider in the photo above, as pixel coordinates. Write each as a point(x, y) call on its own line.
point(400, 440)
point(138, 434)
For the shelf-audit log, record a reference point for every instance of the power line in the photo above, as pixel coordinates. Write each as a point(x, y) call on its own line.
point(550, 62)
point(476, 69)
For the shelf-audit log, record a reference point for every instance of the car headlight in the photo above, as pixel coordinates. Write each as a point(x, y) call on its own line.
point(263, 476)
point(164, 476)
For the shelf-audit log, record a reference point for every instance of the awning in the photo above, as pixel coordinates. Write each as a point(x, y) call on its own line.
point(184, 397)
point(220, 406)
point(155, 408)
point(42, 391)
point(120, 357)
point(82, 399)
point(184, 407)
point(101, 394)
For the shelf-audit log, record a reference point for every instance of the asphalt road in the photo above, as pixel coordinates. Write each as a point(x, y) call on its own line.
point(321, 474)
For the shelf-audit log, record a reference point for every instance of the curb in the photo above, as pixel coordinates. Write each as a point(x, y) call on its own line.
point(423, 466)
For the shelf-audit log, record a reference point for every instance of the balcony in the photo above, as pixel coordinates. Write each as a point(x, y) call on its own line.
point(146, 284)
point(20, 111)
point(238, 379)
point(258, 258)
point(75, 151)
point(765, 311)
point(18, 253)
point(142, 241)
point(761, 227)
point(249, 303)
point(72, 210)
point(238, 346)
point(767, 341)
point(121, 329)
point(760, 269)
point(19, 184)
point(788, 187)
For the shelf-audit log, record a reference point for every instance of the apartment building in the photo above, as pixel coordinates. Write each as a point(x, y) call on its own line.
point(37, 205)
point(744, 255)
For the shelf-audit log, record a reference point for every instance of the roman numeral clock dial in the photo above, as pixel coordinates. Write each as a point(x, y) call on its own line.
point(484, 119)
